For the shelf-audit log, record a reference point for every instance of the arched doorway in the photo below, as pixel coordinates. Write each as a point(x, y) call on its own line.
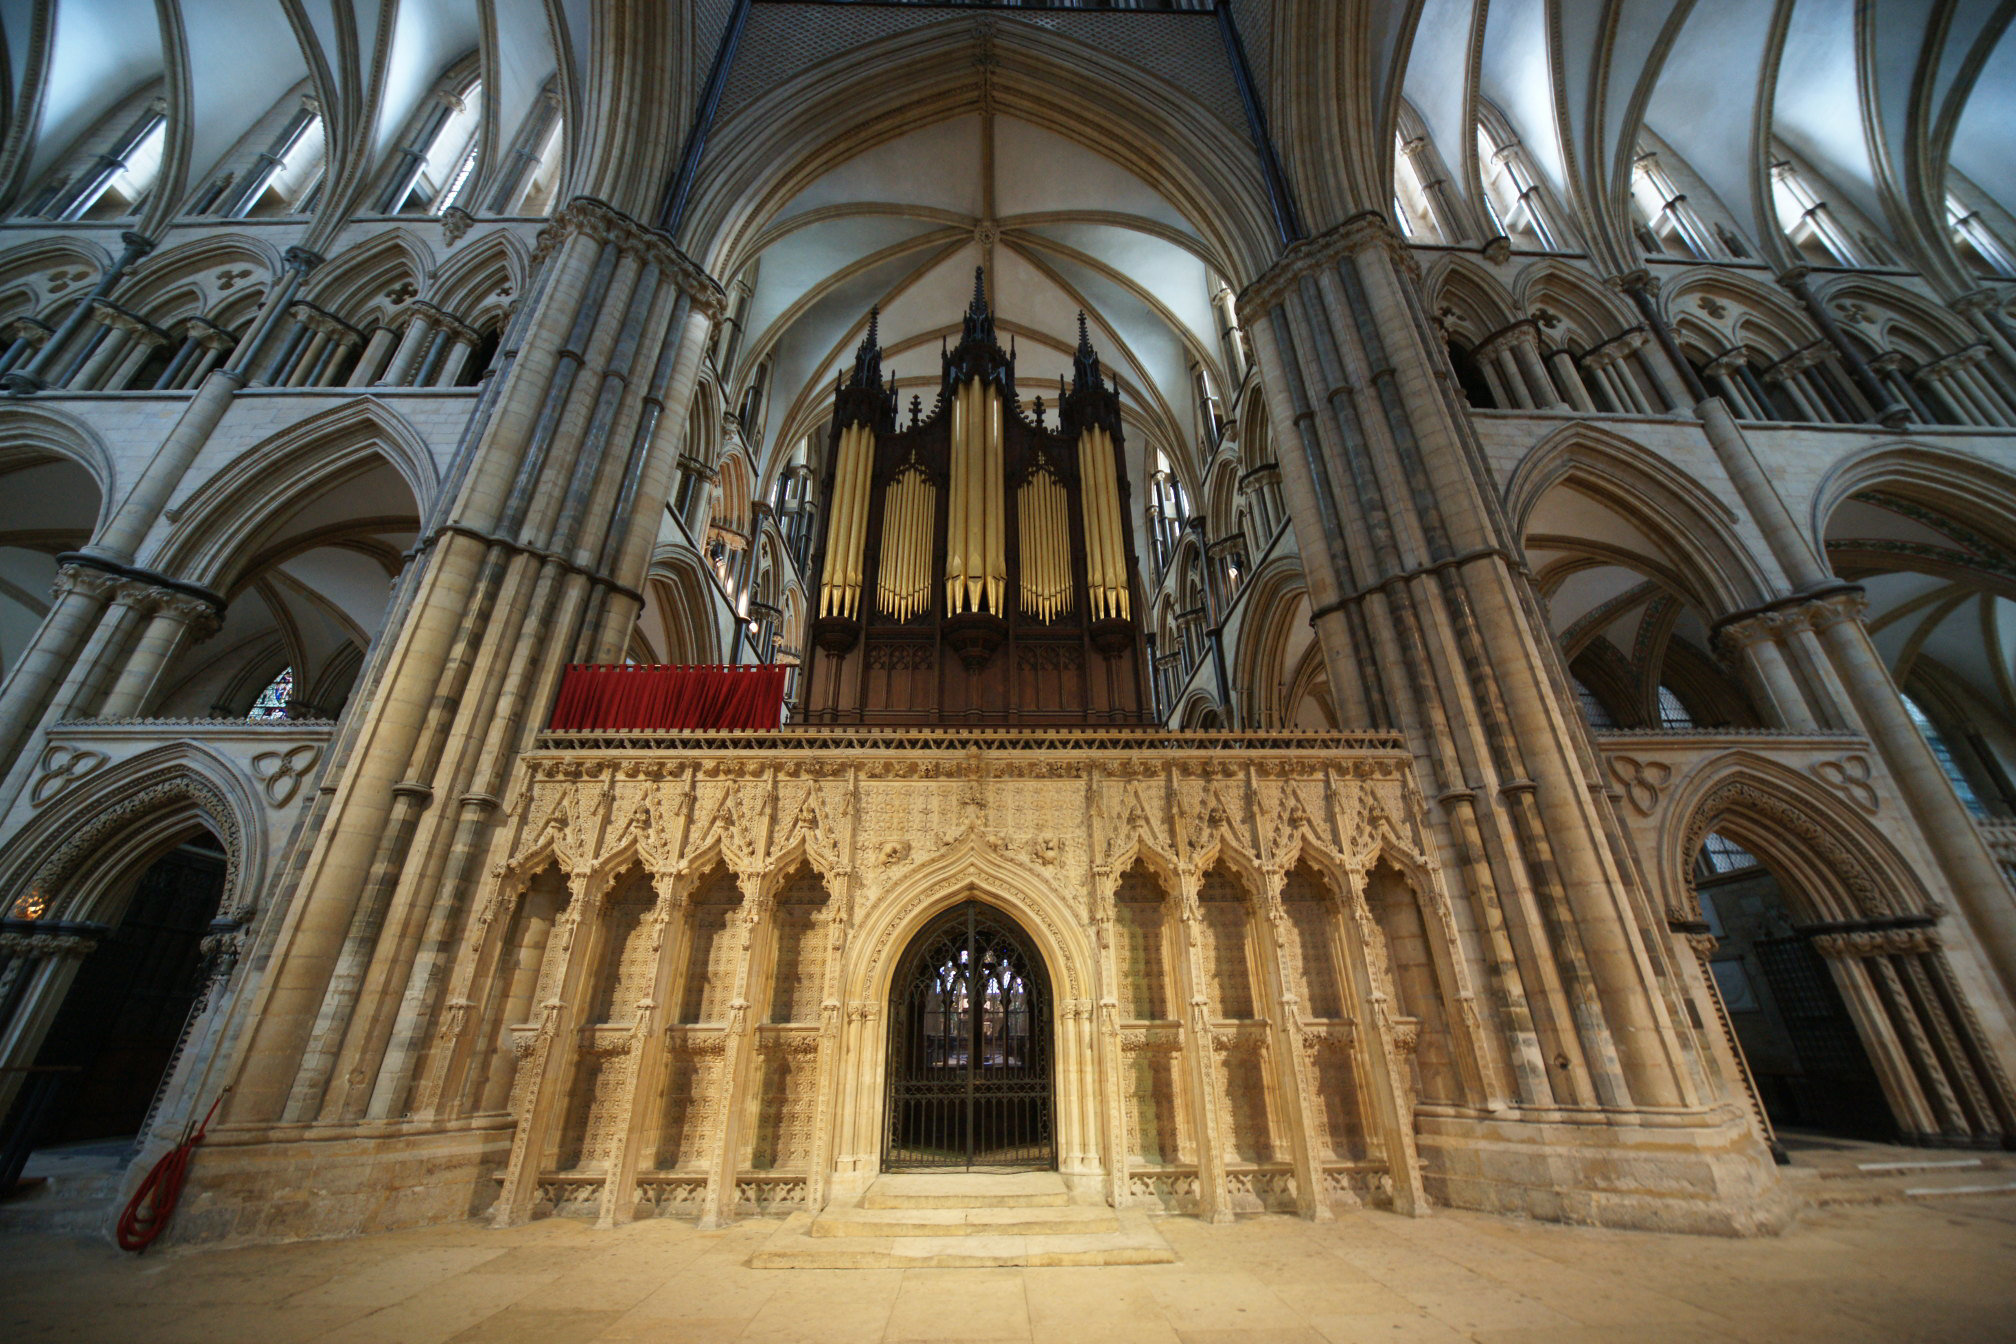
point(1797, 1034)
point(124, 1014)
point(971, 1086)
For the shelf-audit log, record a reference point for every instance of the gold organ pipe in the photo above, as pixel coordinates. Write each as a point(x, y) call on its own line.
point(841, 590)
point(1046, 546)
point(904, 577)
point(864, 463)
point(955, 512)
point(1095, 533)
point(1106, 563)
point(995, 479)
point(916, 584)
point(976, 486)
point(1122, 580)
point(835, 534)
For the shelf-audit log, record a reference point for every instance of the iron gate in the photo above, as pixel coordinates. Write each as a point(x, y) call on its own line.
point(969, 1049)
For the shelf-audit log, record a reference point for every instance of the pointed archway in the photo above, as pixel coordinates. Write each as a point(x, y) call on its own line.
point(971, 1083)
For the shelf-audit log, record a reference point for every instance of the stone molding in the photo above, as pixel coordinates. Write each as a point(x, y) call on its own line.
point(1356, 234)
point(603, 222)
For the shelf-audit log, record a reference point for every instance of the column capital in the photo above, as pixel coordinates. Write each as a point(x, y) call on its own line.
point(1361, 232)
point(1634, 282)
point(302, 259)
point(601, 221)
point(1982, 300)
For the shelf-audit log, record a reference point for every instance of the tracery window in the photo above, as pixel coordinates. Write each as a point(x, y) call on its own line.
point(286, 177)
point(1594, 710)
point(1672, 713)
point(1667, 223)
point(431, 170)
point(275, 699)
point(1411, 204)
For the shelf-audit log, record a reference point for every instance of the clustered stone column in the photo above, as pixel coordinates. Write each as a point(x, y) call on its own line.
point(1411, 566)
point(1920, 1033)
point(38, 957)
point(1817, 626)
point(111, 631)
point(516, 577)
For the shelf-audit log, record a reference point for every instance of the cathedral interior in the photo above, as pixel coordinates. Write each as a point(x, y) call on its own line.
point(1347, 605)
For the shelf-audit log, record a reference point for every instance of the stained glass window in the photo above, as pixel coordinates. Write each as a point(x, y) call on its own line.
point(272, 702)
point(1673, 714)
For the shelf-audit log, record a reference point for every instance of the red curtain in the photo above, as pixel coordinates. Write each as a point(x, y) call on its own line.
point(627, 697)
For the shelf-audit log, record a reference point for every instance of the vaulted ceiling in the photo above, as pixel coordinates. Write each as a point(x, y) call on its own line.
point(1057, 229)
point(1879, 96)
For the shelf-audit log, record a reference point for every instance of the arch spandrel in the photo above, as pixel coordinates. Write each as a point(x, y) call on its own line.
point(969, 869)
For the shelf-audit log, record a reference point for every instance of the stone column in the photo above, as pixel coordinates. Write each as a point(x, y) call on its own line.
point(1293, 1079)
point(108, 346)
point(827, 1090)
point(1888, 410)
point(548, 1062)
point(1978, 885)
point(1983, 308)
point(79, 596)
point(1383, 1051)
point(647, 1055)
point(372, 361)
point(178, 618)
point(1462, 661)
point(1214, 1204)
point(756, 936)
point(132, 602)
point(1447, 213)
point(531, 494)
point(39, 373)
point(25, 335)
point(413, 343)
point(1755, 641)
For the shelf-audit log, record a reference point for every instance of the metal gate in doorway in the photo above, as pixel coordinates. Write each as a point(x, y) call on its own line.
point(970, 1079)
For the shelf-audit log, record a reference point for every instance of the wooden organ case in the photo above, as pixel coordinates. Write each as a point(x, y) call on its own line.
point(975, 566)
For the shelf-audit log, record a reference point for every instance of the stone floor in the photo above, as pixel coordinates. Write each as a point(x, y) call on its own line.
point(1940, 1269)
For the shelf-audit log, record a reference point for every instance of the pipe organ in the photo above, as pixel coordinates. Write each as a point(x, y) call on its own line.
point(976, 566)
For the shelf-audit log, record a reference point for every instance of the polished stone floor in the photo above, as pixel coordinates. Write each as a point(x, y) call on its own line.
point(1941, 1269)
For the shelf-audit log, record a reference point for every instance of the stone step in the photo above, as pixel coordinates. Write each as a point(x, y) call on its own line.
point(1908, 1181)
point(968, 1190)
point(793, 1246)
point(1014, 1221)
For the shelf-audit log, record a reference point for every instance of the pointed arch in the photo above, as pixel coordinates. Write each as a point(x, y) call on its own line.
point(218, 518)
point(1689, 521)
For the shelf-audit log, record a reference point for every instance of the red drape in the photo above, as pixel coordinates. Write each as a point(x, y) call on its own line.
point(626, 697)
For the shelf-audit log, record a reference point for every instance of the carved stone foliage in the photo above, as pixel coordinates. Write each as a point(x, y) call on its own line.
point(1856, 884)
